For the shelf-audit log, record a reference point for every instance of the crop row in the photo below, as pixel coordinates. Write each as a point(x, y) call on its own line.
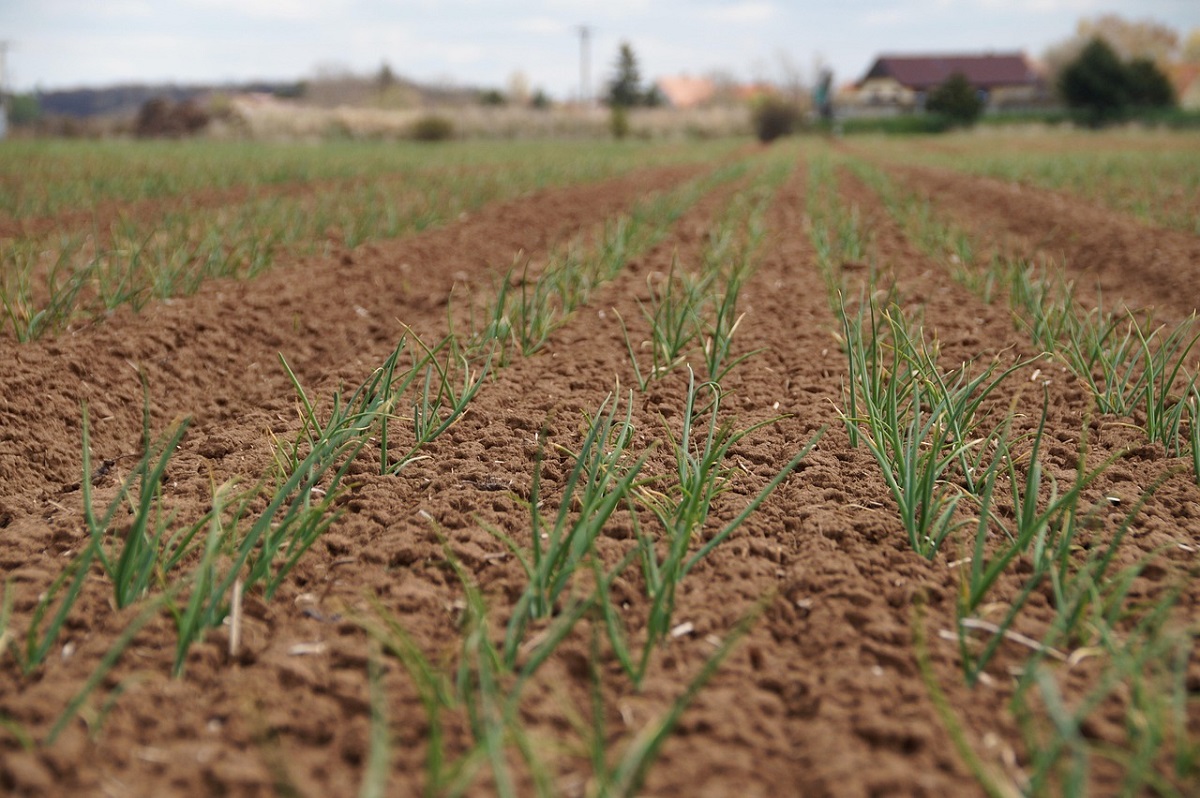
point(72, 274)
point(50, 178)
point(963, 471)
point(1157, 181)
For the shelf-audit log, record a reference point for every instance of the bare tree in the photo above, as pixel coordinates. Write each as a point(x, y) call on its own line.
point(1129, 39)
point(1191, 47)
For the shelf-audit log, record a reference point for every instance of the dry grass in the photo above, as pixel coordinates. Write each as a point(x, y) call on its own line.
point(262, 118)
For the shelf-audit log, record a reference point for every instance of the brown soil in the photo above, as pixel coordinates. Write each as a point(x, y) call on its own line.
point(822, 698)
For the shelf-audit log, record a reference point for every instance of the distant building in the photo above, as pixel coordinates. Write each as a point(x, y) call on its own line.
point(753, 92)
point(1186, 80)
point(683, 91)
point(901, 82)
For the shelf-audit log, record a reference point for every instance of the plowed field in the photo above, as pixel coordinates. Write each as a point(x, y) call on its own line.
point(814, 650)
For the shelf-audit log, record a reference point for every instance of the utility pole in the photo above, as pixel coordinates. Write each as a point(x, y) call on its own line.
point(3, 90)
point(585, 65)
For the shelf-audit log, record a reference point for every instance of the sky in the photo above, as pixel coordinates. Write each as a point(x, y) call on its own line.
point(55, 44)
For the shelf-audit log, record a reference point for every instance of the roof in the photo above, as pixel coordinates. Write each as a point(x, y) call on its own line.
point(753, 91)
point(1186, 80)
point(923, 72)
point(687, 92)
point(1183, 76)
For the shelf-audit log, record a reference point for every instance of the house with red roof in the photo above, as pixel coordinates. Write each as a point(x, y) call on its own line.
point(1185, 78)
point(684, 91)
point(901, 82)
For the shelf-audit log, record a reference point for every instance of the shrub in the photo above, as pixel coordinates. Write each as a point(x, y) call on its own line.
point(956, 99)
point(774, 117)
point(161, 118)
point(433, 128)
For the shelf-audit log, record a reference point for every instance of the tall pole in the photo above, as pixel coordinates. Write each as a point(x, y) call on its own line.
point(3, 89)
point(585, 65)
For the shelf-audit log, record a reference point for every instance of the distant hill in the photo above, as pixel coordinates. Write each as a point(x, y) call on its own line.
point(126, 100)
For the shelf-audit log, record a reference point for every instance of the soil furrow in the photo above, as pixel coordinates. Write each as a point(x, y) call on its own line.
point(1130, 261)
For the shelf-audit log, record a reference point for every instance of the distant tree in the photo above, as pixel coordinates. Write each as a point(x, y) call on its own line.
point(1147, 85)
point(24, 109)
point(1191, 47)
point(1094, 83)
point(625, 89)
point(791, 80)
point(1132, 38)
point(1129, 39)
point(385, 79)
point(493, 97)
point(654, 98)
point(1102, 87)
point(725, 87)
point(955, 99)
point(540, 100)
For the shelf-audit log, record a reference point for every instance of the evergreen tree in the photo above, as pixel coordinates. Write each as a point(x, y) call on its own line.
point(625, 90)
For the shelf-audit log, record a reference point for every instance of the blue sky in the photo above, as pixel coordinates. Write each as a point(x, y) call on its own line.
point(71, 43)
